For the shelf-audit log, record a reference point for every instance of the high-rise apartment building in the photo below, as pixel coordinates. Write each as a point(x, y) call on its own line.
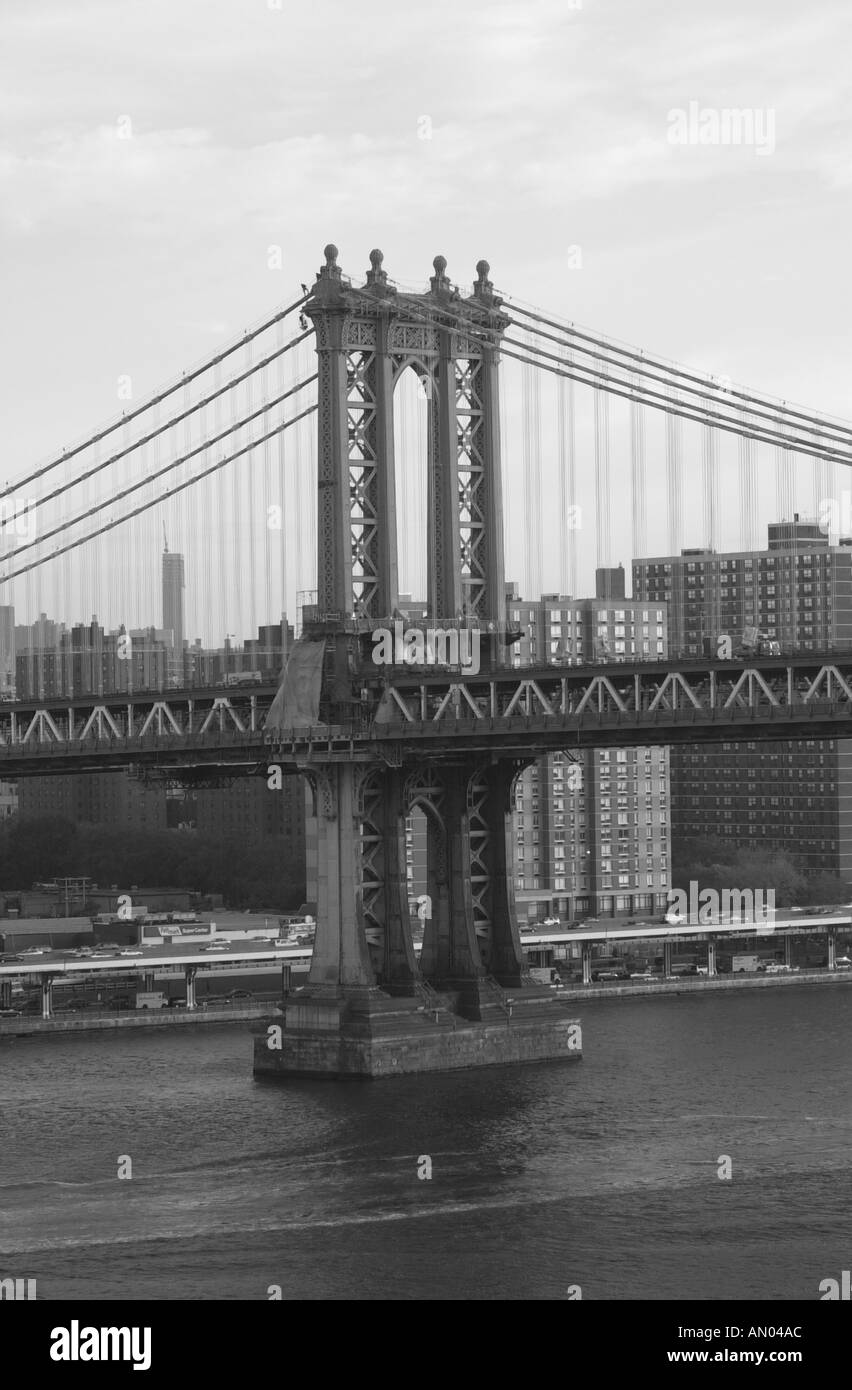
point(798, 591)
point(790, 797)
point(93, 798)
point(591, 830)
point(86, 660)
point(173, 587)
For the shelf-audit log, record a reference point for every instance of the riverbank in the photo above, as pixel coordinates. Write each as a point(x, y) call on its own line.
point(181, 1018)
point(144, 1018)
point(691, 985)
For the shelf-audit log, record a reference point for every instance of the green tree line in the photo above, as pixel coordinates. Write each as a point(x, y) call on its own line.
point(246, 874)
point(717, 863)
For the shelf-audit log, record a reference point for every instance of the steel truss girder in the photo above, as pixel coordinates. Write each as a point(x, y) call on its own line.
point(554, 691)
point(509, 709)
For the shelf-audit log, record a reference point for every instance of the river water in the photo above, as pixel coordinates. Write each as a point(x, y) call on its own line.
point(603, 1174)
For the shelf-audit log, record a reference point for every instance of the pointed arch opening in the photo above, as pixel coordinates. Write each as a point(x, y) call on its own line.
point(411, 406)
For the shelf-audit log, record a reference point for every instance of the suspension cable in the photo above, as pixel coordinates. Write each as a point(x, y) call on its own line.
point(168, 468)
point(147, 438)
point(160, 396)
point(654, 398)
point(705, 417)
point(171, 492)
point(589, 376)
point(672, 369)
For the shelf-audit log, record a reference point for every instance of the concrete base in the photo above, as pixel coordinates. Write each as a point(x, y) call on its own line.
point(343, 1037)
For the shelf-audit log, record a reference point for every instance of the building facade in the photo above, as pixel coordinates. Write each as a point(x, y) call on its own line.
point(792, 798)
point(798, 591)
point(591, 829)
point(93, 798)
point(173, 587)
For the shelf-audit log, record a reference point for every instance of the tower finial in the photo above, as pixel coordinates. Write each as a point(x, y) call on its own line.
point(331, 271)
point(375, 275)
point(439, 282)
point(484, 288)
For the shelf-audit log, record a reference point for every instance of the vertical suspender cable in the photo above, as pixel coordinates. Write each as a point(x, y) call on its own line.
point(297, 493)
point(639, 537)
point(239, 438)
point(189, 537)
point(570, 519)
point(279, 499)
point(821, 484)
point(253, 553)
point(602, 488)
point(145, 600)
point(531, 397)
point(674, 450)
point(507, 482)
point(747, 488)
point(784, 488)
point(272, 544)
point(675, 506)
point(710, 512)
point(214, 533)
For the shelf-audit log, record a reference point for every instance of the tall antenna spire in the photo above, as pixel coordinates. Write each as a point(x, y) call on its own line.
point(165, 540)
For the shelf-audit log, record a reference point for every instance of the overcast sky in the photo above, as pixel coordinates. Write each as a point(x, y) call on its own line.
point(153, 152)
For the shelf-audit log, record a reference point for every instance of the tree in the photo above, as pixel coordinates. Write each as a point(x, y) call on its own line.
point(246, 873)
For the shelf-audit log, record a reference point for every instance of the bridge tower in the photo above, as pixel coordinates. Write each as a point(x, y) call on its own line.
point(364, 976)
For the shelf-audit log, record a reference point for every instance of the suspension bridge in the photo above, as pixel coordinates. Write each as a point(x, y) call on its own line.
point(270, 503)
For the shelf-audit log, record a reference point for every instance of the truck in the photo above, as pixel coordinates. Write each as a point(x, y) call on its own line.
point(756, 643)
point(741, 965)
point(244, 678)
point(151, 999)
point(545, 975)
point(750, 644)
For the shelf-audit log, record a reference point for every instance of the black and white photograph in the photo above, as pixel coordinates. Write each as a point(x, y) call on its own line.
point(425, 672)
